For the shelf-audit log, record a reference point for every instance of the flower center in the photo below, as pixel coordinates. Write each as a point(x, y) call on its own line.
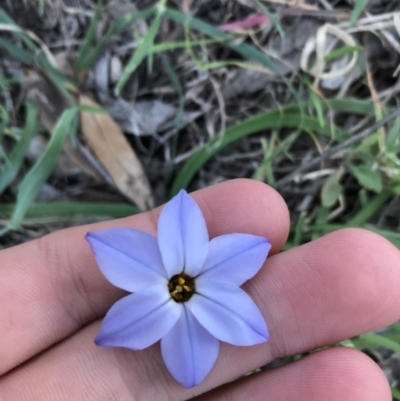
point(181, 287)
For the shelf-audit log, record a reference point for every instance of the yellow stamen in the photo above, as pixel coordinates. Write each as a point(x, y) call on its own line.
point(181, 287)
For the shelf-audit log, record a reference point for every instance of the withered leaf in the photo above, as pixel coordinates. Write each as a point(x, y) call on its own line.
point(107, 141)
point(51, 104)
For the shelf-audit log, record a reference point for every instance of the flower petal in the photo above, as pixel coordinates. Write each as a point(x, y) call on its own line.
point(128, 258)
point(182, 236)
point(189, 351)
point(235, 258)
point(139, 320)
point(228, 313)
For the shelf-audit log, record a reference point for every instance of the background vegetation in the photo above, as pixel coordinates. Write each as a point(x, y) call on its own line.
point(108, 108)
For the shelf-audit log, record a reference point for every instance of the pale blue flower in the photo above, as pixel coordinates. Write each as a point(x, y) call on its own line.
point(184, 289)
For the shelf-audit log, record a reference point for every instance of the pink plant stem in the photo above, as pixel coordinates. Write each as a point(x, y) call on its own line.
point(254, 20)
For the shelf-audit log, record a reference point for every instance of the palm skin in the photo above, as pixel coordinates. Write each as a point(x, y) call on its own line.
point(53, 296)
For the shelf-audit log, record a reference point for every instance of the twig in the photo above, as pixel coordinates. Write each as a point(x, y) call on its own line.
point(355, 138)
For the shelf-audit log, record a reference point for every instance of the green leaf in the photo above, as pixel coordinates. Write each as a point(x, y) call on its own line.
point(33, 56)
point(82, 61)
point(332, 189)
point(13, 163)
point(271, 150)
point(4, 121)
point(16, 52)
point(318, 106)
point(396, 188)
point(287, 117)
point(373, 340)
point(357, 10)
point(142, 50)
point(40, 172)
point(6, 19)
point(163, 47)
point(66, 210)
point(369, 209)
point(274, 20)
point(342, 51)
point(393, 332)
point(266, 120)
point(368, 178)
point(395, 393)
point(92, 52)
point(393, 138)
point(247, 51)
point(86, 108)
point(350, 105)
point(298, 232)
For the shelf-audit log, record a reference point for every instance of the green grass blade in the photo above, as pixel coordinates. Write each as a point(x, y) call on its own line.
point(4, 121)
point(393, 332)
point(65, 210)
point(141, 52)
point(266, 120)
point(163, 47)
point(342, 51)
point(16, 52)
point(318, 107)
point(120, 24)
point(16, 158)
point(247, 51)
point(6, 19)
point(288, 117)
point(33, 55)
point(274, 21)
point(357, 10)
point(393, 138)
point(298, 232)
point(350, 105)
point(395, 393)
point(373, 340)
point(369, 209)
point(81, 59)
point(271, 152)
point(40, 172)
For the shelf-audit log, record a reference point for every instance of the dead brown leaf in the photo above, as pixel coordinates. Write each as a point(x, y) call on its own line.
point(107, 141)
point(51, 104)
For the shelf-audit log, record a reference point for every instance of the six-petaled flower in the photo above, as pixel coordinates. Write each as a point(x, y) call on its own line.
point(184, 289)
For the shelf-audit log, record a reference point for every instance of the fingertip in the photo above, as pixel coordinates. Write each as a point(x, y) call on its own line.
point(336, 374)
point(351, 373)
point(256, 208)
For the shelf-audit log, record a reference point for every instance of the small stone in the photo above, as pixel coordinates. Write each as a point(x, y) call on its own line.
point(115, 69)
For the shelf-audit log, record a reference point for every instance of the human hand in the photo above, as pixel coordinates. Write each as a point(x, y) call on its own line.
point(52, 296)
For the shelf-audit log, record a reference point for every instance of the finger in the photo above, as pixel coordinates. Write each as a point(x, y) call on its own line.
point(336, 287)
point(52, 287)
point(320, 293)
point(335, 374)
